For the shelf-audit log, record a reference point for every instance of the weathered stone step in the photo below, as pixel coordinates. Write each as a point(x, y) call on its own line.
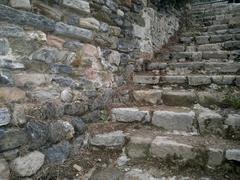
point(191, 80)
point(168, 118)
point(188, 38)
point(194, 67)
point(212, 151)
point(186, 98)
point(209, 4)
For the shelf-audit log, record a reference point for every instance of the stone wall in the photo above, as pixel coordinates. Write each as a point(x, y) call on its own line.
point(60, 65)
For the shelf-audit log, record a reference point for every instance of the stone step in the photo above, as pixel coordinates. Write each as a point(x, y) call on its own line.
point(190, 80)
point(194, 67)
point(210, 151)
point(186, 98)
point(188, 38)
point(229, 8)
point(209, 4)
point(168, 118)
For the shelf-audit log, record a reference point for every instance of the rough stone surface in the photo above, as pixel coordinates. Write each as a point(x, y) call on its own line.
point(89, 23)
point(164, 146)
point(233, 120)
point(58, 153)
point(60, 130)
point(112, 139)
point(223, 80)
point(138, 146)
point(199, 80)
point(5, 117)
point(107, 174)
point(4, 46)
point(67, 95)
point(26, 18)
point(215, 157)
point(38, 134)
point(179, 98)
point(4, 170)
point(8, 30)
point(29, 164)
point(79, 5)
point(18, 115)
point(233, 154)
point(170, 120)
point(130, 115)
point(12, 138)
point(149, 96)
point(73, 32)
point(78, 124)
point(21, 4)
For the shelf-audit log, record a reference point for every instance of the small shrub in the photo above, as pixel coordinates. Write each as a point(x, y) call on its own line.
point(232, 101)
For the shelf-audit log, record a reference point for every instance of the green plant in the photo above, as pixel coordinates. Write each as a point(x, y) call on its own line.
point(232, 101)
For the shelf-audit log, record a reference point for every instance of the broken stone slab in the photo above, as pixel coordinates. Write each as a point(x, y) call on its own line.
point(148, 96)
point(163, 146)
point(28, 164)
point(223, 80)
point(112, 139)
point(199, 80)
point(5, 116)
point(26, 18)
point(215, 157)
point(233, 155)
point(78, 5)
point(209, 121)
point(138, 146)
point(233, 120)
point(171, 120)
point(73, 32)
point(130, 115)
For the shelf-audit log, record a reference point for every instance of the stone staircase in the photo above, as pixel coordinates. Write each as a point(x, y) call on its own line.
point(180, 97)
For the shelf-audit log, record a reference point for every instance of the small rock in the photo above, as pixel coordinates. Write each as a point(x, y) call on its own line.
point(67, 95)
point(4, 170)
point(60, 130)
point(18, 115)
point(29, 164)
point(77, 145)
point(6, 78)
point(78, 125)
point(58, 153)
point(113, 139)
point(21, 4)
point(4, 116)
point(4, 46)
point(11, 155)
